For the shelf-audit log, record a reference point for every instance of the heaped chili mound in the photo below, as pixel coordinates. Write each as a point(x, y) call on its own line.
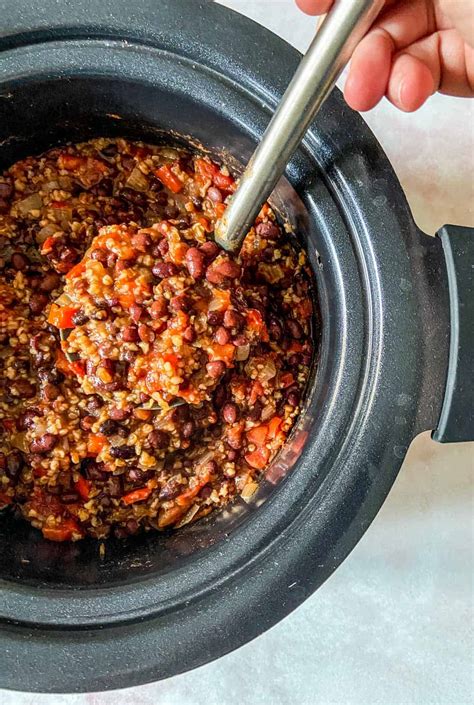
point(147, 377)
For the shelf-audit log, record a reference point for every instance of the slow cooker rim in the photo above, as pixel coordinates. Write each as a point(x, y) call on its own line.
point(84, 591)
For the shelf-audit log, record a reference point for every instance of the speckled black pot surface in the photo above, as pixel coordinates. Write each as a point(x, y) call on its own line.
point(160, 604)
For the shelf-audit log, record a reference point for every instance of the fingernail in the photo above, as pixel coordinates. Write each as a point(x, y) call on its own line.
point(401, 86)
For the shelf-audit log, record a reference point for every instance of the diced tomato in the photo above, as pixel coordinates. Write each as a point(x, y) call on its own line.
point(169, 179)
point(63, 531)
point(255, 392)
point(258, 435)
point(258, 458)
point(70, 162)
point(295, 347)
point(83, 488)
point(95, 443)
point(219, 209)
point(9, 424)
point(76, 271)
point(177, 252)
point(305, 308)
point(220, 300)
point(172, 359)
point(204, 222)
point(5, 498)
point(223, 182)
point(264, 212)
point(59, 204)
point(256, 324)
point(126, 300)
point(138, 152)
point(61, 316)
point(273, 427)
point(286, 379)
point(205, 168)
point(137, 495)
point(192, 492)
point(70, 369)
point(47, 245)
point(222, 352)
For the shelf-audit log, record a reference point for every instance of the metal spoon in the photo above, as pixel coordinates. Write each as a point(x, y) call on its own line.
point(329, 52)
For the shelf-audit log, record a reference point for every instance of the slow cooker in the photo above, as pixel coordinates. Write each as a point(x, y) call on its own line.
point(397, 311)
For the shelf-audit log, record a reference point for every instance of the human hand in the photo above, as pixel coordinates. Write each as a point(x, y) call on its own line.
point(414, 48)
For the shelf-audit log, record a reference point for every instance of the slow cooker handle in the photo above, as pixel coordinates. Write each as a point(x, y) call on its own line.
point(456, 421)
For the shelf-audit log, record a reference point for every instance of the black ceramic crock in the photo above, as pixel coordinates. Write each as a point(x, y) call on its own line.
point(396, 338)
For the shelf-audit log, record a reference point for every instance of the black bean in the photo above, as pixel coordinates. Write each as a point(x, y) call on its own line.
point(27, 419)
point(275, 329)
point(50, 392)
point(135, 475)
point(109, 427)
point(14, 465)
point(110, 150)
point(79, 318)
point(293, 398)
point(92, 469)
point(69, 255)
point(255, 413)
point(24, 388)
point(171, 490)
point(5, 190)
point(44, 444)
point(69, 497)
point(123, 452)
point(87, 422)
point(158, 439)
point(19, 261)
point(188, 429)
point(94, 403)
point(114, 486)
point(220, 396)
point(104, 501)
point(214, 318)
point(50, 281)
point(132, 526)
point(294, 329)
point(37, 302)
point(50, 375)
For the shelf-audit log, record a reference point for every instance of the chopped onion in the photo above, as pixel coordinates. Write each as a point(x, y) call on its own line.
point(63, 214)
point(242, 352)
point(188, 516)
point(169, 153)
point(18, 440)
point(46, 232)
point(51, 186)
point(30, 203)
point(248, 490)
point(268, 371)
point(268, 412)
point(137, 180)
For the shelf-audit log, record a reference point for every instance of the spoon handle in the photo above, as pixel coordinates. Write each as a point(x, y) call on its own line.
point(328, 53)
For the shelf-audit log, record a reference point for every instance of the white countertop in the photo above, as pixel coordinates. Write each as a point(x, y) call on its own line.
point(393, 625)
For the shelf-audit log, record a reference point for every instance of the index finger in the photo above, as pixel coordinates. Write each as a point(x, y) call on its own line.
point(315, 7)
